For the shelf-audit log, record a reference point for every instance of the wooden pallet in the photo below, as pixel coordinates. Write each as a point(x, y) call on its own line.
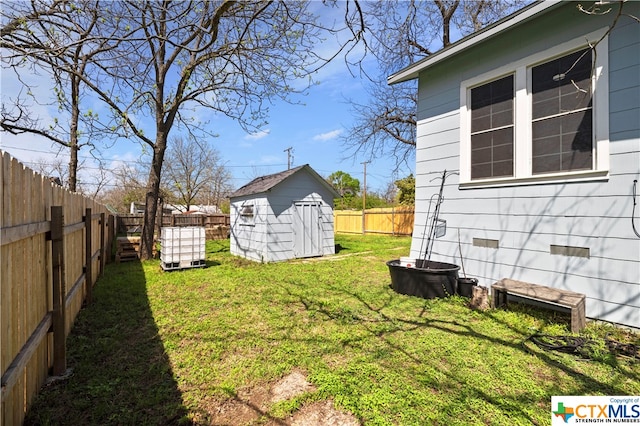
point(127, 249)
point(171, 266)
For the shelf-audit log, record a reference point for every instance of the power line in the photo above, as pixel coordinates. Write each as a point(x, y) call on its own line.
point(30, 150)
point(88, 157)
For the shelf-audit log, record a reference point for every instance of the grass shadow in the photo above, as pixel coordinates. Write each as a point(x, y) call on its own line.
point(121, 373)
point(383, 329)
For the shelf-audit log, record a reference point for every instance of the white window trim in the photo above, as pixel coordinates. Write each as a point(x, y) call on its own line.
point(522, 120)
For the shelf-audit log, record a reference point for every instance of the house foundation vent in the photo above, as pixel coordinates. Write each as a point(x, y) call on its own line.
point(484, 242)
point(570, 251)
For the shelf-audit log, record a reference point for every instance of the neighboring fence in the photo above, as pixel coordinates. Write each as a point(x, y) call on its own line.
point(386, 220)
point(131, 223)
point(53, 247)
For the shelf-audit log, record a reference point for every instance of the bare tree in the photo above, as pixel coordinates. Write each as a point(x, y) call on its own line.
point(402, 33)
point(193, 171)
point(90, 184)
point(164, 59)
point(54, 169)
point(127, 185)
point(97, 181)
point(229, 57)
point(216, 191)
point(390, 193)
point(57, 39)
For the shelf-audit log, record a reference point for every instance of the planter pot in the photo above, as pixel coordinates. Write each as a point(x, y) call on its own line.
point(465, 286)
point(409, 262)
point(427, 279)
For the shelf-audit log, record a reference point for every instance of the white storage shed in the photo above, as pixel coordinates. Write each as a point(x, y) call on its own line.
point(283, 216)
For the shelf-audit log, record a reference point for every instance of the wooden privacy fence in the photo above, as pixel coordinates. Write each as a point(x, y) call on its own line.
point(53, 247)
point(385, 220)
point(128, 223)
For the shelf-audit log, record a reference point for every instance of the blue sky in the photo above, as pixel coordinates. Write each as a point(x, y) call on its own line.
point(313, 129)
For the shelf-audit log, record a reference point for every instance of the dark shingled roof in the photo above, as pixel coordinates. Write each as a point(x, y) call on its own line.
point(265, 183)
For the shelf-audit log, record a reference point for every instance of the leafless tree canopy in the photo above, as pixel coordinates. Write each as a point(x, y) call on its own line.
point(152, 63)
point(58, 40)
point(128, 186)
point(194, 173)
point(402, 33)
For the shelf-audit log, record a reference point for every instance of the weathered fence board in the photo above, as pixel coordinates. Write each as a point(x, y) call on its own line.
point(386, 220)
point(46, 271)
point(58, 281)
point(132, 223)
point(20, 232)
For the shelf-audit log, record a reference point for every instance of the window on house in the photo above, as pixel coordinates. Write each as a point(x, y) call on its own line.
point(538, 119)
point(492, 129)
point(562, 124)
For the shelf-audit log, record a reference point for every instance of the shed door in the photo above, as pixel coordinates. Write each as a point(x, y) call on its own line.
point(307, 229)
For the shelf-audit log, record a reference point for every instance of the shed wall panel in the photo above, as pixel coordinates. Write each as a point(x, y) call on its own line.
point(248, 240)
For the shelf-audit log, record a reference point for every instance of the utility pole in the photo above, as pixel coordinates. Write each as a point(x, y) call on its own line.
point(364, 192)
point(289, 156)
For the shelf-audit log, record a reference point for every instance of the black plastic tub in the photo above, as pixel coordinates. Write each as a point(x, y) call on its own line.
point(465, 286)
point(428, 280)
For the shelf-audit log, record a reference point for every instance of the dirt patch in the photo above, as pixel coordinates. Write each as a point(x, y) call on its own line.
point(243, 409)
point(251, 406)
point(322, 414)
point(290, 386)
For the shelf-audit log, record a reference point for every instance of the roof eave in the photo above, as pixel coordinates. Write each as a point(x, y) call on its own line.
point(412, 71)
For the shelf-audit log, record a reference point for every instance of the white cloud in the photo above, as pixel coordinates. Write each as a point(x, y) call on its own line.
point(120, 160)
point(269, 159)
point(29, 148)
point(258, 135)
point(328, 135)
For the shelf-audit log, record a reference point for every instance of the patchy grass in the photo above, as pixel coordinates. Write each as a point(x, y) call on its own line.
point(172, 347)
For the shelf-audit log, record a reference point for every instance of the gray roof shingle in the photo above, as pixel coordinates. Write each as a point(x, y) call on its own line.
point(265, 183)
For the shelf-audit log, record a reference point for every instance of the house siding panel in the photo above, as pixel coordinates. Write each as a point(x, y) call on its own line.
point(528, 219)
point(625, 100)
point(625, 122)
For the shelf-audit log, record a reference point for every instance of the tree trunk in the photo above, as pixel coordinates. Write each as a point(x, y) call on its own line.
point(73, 166)
point(151, 198)
point(73, 134)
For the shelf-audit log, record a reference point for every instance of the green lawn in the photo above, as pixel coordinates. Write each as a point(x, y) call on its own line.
point(171, 347)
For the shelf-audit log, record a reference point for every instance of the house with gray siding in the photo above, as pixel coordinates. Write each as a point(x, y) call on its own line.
point(538, 118)
point(286, 215)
